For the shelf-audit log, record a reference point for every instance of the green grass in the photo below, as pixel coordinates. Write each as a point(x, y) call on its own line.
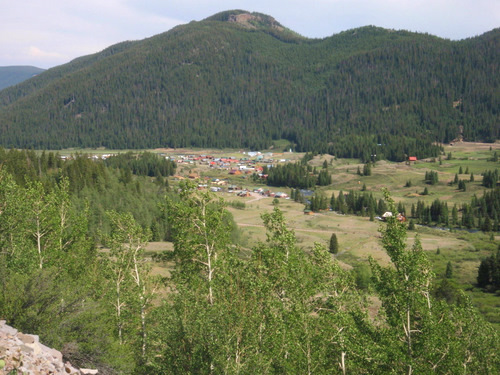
point(359, 238)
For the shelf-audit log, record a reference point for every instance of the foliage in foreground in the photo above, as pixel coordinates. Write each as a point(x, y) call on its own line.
point(280, 311)
point(285, 311)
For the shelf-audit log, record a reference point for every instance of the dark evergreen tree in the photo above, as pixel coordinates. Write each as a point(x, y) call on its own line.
point(461, 185)
point(334, 244)
point(489, 272)
point(411, 225)
point(367, 169)
point(431, 177)
point(490, 178)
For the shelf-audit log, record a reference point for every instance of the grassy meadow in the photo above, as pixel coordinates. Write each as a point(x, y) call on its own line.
point(358, 237)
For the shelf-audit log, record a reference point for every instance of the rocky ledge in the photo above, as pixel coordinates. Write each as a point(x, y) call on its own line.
point(24, 354)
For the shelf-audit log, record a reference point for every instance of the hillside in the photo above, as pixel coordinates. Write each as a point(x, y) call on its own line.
point(243, 80)
point(11, 75)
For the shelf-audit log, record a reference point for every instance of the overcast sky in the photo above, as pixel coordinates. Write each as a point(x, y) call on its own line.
point(46, 33)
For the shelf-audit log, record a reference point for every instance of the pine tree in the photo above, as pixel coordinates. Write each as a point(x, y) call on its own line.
point(411, 225)
point(461, 185)
point(334, 244)
point(454, 215)
point(367, 169)
point(333, 203)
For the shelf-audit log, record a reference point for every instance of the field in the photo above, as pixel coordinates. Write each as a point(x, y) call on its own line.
point(358, 237)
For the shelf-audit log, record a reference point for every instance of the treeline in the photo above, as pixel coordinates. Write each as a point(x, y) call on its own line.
point(26, 165)
point(481, 213)
point(297, 175)
point(368, 93)
point(94, 187)
point(143, 164)
point(353, 203)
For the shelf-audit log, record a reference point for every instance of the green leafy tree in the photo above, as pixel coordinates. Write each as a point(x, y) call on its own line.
point(60, 291)
point(41, 220)
point(192, 328)
point(426, 335)
point(277, 312)
point(201, 229)
point(133, 285)
point(449, 271)
point(13, 238)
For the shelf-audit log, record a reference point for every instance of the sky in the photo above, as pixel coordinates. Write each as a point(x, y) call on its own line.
point(47, 33)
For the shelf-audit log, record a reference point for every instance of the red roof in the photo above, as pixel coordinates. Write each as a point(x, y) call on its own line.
point(412, 158)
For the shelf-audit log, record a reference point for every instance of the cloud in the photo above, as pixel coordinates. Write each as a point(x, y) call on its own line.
point(63, 30)
point(54, 32)
point(38, 53)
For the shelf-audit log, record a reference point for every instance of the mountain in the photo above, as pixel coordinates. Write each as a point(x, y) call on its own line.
point(11, 75)
point(240, 79)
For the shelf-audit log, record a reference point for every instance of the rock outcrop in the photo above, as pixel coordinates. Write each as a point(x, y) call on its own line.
point(25, 353)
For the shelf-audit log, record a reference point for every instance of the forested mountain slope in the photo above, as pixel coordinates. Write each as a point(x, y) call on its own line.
point(243, 80)
point(11, 75)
